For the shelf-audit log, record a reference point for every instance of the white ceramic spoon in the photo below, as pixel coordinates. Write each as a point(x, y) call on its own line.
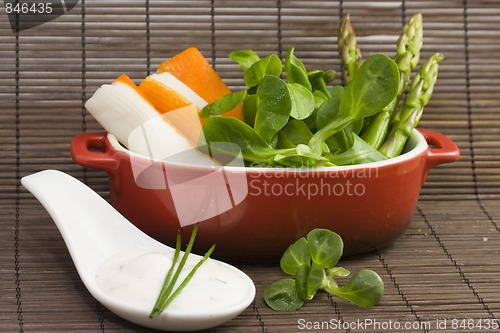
point(94, 231)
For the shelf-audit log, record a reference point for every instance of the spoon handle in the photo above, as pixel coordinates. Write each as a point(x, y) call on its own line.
point(91, 228)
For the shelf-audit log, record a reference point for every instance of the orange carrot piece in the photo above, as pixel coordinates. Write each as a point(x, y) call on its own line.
point(191, 67)
point(162, 97)
point(124, 78)
point(182, 120)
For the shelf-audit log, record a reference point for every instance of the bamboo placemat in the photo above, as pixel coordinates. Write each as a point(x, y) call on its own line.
point(443, 271)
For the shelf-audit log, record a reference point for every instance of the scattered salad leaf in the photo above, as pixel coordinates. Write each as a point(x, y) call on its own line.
point(360, 152)
point(252, 145)
point(296, 71)
point(270, 65)
point(311, 261)
point(326, 247)
point(273, 107)
point(282, 295)
point(308, 279)
point(295, 256)
point(224, 104)
point(319, 80)
point(295, 132)
point(302, 101)
point(364, 289)
point(245, 58)
point(372, 87)
point(330, 107)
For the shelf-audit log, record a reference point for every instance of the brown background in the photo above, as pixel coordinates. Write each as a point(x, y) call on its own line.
point(446, 266)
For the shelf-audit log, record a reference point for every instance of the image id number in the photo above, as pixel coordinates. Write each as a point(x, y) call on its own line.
point(28, 8)
point(473, 324)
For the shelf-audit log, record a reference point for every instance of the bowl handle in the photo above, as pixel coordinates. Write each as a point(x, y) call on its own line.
point(90, 150)
point(441, 149)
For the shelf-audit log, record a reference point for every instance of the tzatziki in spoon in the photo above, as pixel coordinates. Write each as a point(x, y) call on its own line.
point(124, 269)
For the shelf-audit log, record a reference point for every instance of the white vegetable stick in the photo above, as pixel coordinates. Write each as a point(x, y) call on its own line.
point(119, 108)
point(177, 85)
point(173, 137)
point(124, 112)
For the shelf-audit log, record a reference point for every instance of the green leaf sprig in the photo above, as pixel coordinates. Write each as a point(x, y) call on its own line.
point(299, 121)
point(167, 293)
point(273, 108)
point(303, 122)
point(312, 261)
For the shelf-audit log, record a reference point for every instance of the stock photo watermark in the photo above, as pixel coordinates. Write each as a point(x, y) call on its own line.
point(373, 324)
point(206, 180)
point(310, 183)
point(27, 14)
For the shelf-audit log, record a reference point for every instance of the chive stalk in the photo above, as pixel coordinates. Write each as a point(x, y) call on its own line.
point(164, 288)
point(189, 277)
point(166, 295)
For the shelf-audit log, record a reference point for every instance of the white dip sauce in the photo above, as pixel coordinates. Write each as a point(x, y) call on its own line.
point(137, 278)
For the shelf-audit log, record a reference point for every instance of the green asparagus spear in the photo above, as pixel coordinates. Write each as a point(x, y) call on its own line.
point(407, 57)
point(348, 49)
point(419, 93)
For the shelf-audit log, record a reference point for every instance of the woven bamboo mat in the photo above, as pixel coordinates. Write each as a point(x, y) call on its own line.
point(443, 271)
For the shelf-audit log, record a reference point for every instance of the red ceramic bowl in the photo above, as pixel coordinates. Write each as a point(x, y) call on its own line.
point(369, 205)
